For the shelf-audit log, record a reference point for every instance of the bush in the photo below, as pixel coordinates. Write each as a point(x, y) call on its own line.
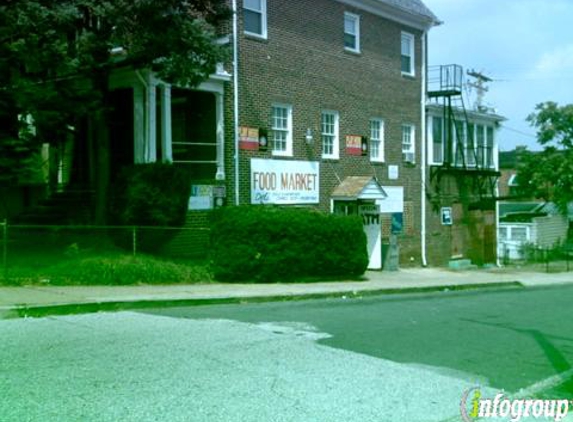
point(154, 194)
point(267, 244)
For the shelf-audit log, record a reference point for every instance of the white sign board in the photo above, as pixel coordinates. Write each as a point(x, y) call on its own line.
point(284, 182)
point(201, 197)
point(394, 202)
point(393, 172)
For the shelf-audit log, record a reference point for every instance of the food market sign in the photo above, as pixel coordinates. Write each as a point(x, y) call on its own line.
point(284, 182)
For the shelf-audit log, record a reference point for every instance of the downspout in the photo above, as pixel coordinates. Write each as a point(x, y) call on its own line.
point(236, 100)
point(423, 150)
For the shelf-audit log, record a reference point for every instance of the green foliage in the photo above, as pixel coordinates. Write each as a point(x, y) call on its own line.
point(56, 57)
point(554, 124)
point(268, 244)
point(154, 194)
point(110, 269)
point(549, 174)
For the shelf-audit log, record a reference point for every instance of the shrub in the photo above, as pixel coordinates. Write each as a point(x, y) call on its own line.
point(267, 244)
point(154, 194)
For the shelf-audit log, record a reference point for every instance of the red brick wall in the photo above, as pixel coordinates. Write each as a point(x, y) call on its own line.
point(303, 63)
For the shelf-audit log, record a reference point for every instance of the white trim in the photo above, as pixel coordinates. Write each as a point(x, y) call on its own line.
point(263, 13)
point(336, 135)
point(412, 53)
point(356, 19)
point(288, 147)
point(379, 8)
point(423, 99)
point(166, 146)
point(380, 157)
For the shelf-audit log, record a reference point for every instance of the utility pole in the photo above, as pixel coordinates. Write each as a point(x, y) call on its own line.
point(479, 85)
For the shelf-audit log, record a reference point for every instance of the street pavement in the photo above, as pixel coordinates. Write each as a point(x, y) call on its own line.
point(13, 299)
point(163, 365)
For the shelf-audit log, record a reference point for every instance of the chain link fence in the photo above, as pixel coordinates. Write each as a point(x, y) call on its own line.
point(558, 258)
point(37, 252)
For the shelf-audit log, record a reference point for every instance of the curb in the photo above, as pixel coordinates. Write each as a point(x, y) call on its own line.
point(38, 311)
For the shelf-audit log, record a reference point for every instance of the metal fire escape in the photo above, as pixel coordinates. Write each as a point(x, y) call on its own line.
point(463, 160)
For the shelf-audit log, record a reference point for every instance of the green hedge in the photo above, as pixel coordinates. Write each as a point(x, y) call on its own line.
point(268, 244)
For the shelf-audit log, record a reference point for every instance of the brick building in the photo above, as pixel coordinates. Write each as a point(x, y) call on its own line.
point(334, 89)
point(322, 105)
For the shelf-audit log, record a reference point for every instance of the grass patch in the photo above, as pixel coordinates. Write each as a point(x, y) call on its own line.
point(110, 269)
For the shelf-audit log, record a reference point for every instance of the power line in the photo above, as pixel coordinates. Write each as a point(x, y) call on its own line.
point(519, 131)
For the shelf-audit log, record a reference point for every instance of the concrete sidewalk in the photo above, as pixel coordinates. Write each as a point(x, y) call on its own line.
point(14, 299)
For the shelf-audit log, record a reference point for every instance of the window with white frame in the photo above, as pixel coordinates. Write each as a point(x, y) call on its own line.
point(329, 134)
point(484, 144)
point(255, 17)
point(407, 54)
point(408, 143)
point(470, 145)
point(437, 140)
point(489, 148)
point(480, 144)
point(459, 142)
point(376, 140)
point(351, 32)
point(281, 127)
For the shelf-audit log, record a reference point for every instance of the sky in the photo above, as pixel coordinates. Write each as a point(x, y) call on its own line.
point(525, 46)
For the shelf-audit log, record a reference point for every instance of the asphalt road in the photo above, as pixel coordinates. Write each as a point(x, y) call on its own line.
point(389, 358)
point(510, 339)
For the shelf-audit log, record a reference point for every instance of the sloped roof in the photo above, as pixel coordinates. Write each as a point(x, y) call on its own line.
point(359, 187)
point(415, 7)
point(409, 12)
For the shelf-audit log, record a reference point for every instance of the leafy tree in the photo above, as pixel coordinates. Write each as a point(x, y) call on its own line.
point(549, 174)
point(56, 59)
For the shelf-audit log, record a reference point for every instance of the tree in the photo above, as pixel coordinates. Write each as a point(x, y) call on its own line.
point(549, 174)
point(56, 58)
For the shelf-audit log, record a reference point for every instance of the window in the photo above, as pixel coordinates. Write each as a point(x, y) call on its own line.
point(407, 55)
point(408, 143)
point(489, 163)
point(351, 32)
point(329, 134)
point(255, 17)
point(459, 142)
point(480, 144)
point(519, 234)
point(281, 127)
point(470, 146)
point(484, 143)
point(437, 140)
point(376, 140)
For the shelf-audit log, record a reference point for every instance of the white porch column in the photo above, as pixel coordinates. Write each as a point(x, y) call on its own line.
point(166, 146)
point(150, 118)
point(220, 175)
point(139, 138)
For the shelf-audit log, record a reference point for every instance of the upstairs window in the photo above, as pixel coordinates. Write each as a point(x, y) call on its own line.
point(255, 17)
point(351, 32)
point(329, 134)
point(489, 148)
point(408, 144)
point(407, 54)
point(376, 140)
point(437, 140)
point(281, 127)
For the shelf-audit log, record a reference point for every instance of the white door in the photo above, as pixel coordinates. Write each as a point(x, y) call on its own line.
point(374, 240)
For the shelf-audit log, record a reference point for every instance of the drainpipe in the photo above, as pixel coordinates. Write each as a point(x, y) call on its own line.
point(236, 100)
point(423, 150)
